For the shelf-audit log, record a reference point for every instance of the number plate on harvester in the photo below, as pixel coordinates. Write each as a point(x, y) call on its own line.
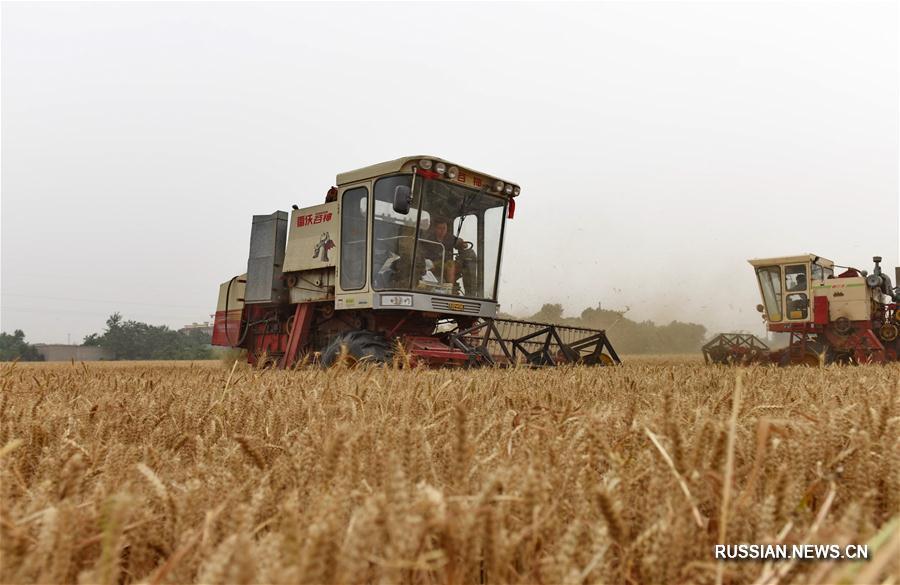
point(454, 306)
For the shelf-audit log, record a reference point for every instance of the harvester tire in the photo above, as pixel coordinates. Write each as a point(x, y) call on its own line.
point(840, 357)
point(362, 347)
point(810, 358)
point(718, 355)
point(568, 355)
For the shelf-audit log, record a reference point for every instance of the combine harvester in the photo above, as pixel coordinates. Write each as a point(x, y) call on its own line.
point(852, 317)
point(403, 256)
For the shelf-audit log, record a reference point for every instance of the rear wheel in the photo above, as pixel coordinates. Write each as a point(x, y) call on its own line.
point(362, 347)
point(810, 358)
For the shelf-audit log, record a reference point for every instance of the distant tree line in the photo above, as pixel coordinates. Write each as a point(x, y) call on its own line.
point(14, 347)
point(133, 340)
point(629, 336)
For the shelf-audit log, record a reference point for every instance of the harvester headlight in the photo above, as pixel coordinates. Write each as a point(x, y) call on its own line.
point(508, 190)
point(425, 164)
point(498, 186)
point(396, 301)
point(440, 168)
point(452, 172)
point(516, 191)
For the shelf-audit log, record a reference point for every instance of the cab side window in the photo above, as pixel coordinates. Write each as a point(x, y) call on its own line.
point(354, 228)
point(795, 277)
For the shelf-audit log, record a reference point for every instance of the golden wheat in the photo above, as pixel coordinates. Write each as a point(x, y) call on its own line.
point(181, 473)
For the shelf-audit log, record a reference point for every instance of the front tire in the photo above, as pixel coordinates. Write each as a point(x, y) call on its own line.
point(362, 347)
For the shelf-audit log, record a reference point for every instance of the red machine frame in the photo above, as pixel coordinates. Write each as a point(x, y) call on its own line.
point(281, 336)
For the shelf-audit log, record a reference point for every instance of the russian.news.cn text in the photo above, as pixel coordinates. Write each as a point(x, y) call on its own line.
point(802, 552)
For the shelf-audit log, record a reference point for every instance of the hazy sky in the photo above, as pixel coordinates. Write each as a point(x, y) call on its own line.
point(658, 145)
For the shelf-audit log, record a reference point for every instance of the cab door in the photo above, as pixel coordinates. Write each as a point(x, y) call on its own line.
point(353, 248)
point(796, 293)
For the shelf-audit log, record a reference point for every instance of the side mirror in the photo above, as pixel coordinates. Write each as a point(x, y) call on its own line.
point(402, 199)
point(760, 308)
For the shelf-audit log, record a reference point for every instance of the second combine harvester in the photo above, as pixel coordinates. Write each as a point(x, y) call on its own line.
point(846, 317)
point(403, 256)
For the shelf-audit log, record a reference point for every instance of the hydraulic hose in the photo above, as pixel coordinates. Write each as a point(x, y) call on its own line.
point(241, 336)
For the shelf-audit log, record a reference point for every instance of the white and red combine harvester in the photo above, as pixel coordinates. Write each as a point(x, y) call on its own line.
point(850, 317)
point(402, 256)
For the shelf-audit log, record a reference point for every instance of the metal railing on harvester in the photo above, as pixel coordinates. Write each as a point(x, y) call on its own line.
point(509, 341)
point(735, 348)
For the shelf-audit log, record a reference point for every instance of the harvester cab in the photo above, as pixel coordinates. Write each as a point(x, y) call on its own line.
point(850, 316)
point(786, 285)
point(407, 255)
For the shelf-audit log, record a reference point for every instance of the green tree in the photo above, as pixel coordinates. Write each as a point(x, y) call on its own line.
point(549, 313)
point(14, 347)
point(133, 340)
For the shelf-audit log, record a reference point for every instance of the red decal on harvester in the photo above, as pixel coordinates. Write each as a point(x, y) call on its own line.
point(320, 217)
point(477, 181)
point(461, 177)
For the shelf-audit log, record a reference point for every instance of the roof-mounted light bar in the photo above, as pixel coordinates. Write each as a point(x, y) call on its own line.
point(438, 169)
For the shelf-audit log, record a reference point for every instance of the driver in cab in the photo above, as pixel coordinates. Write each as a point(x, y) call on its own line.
point(466, 259)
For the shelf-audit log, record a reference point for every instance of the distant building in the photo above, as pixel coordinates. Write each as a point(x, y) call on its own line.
point(206, 327)
point(58, 352)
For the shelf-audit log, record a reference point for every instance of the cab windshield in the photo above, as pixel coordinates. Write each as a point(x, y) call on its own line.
point(770, 285)
point(448, 243)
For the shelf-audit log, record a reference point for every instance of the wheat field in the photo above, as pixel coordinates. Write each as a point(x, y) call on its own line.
point(199, 472)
